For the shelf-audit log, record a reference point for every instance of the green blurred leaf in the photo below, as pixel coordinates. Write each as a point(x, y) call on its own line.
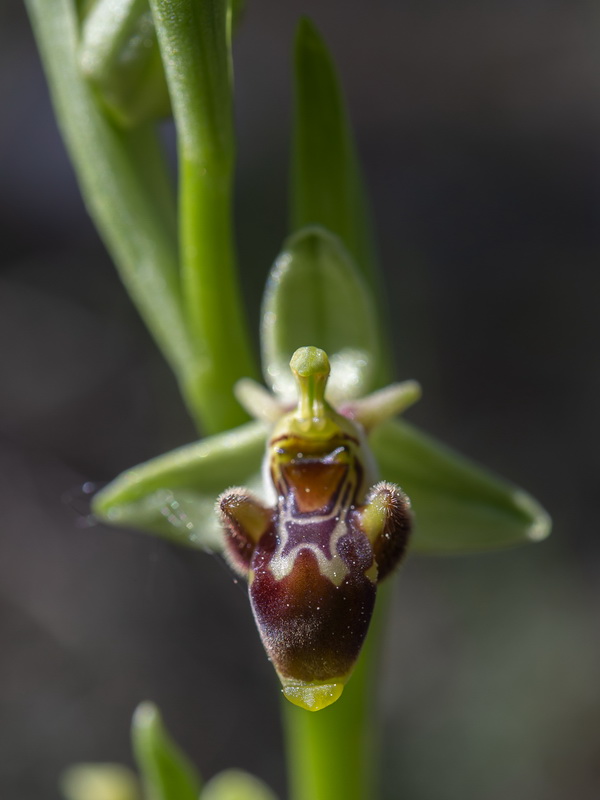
point(326, 182)
point(234, 784)
point(326, 185)
point(315, 296)
point(167, 774)
point(127, 189)
point(236, 10)
point(119, 55)
point(458, 506)
point(99, 782)
point(174, 495)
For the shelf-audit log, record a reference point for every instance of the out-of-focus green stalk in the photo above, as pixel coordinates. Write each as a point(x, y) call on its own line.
point(194, 41)
point(332, 753)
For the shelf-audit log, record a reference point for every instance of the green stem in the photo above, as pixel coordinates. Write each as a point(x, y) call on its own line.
point(194, 41)
point(332, 753)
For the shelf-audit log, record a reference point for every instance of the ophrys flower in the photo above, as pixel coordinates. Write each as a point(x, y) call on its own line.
point(314, 552)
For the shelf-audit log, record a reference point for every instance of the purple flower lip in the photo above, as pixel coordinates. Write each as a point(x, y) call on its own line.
point(314, 559)
point(312, 630)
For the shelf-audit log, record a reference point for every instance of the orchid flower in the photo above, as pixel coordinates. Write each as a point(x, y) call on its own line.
point(321, 512)
point(319, 498)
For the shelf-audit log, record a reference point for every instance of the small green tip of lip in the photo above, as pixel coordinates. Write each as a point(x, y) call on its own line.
point(313, 696)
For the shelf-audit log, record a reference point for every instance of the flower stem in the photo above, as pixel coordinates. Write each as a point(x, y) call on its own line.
point(194, 42)
point(331, 753)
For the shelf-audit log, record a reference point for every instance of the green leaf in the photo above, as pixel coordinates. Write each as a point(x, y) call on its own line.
point(316, 297)
point(99, 782)
point(126, 186)
point(119, 55)
point(194, 39)
point(326, 185)
point(235, 784)
point(174, 495)
point(326, 182)
point(459, 507)
point(236, 10)
point(166, 772)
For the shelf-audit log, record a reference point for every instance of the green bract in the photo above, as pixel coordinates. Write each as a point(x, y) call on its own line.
point(326, 180)
point(316, 295)
point(166, 772)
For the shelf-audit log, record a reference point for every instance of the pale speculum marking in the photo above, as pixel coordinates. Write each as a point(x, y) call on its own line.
point(316, 493)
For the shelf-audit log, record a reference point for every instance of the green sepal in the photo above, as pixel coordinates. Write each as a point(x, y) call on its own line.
point(174, 495)
point(99, 782)
point(120, 57)
point(459, 507)
point(235, 784)
point(315, 296)
point(166, 772)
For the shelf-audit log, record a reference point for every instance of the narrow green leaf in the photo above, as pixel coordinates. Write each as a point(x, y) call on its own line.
point(236, 11)
point(174, 495)
point(126, 186)
point(166, 772)
point(458, 505)
point(326, 184)
point(194, 42)
point(235, 784)
point(315, 296)
point(119, 55)
point(99, 782)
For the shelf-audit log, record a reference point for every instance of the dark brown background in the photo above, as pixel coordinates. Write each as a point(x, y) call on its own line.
point(479, 127)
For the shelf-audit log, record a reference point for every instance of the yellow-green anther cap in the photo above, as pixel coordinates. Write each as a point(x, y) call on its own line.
point(311, 369)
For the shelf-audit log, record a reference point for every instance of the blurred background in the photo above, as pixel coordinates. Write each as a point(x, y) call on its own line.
point(479, 129)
